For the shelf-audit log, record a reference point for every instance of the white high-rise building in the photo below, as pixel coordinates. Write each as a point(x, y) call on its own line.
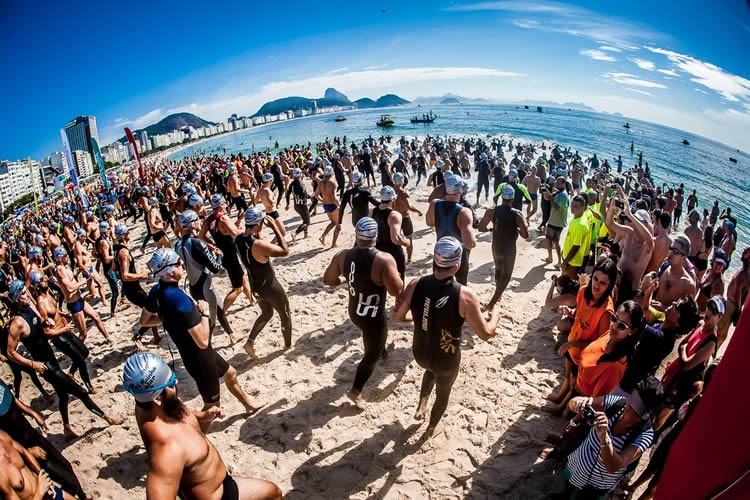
point(83, 163)
point(16, 180)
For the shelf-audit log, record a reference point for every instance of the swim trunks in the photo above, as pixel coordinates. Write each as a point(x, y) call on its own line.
point(240, 202)
point(158, 235)
point(407, 227)
point(534, 196)
point(329, 207)
point(576, 186)
point(231, 490)
point(700, 264)
point(274, 214)
point(75, 307)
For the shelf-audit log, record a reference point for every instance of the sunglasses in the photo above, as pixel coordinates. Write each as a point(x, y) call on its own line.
point(676, 251)
point(621, 325)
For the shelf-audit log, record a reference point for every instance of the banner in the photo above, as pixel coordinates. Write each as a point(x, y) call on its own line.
point(100, 164)
point(34, 188)
point(137, 155)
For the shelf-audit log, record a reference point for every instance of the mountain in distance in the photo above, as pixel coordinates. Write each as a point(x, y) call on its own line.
point(458, 98)
point(450, 100)
point(331, 97)
point(172, 122)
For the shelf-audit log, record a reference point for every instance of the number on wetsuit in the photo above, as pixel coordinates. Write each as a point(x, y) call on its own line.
point(366, 306)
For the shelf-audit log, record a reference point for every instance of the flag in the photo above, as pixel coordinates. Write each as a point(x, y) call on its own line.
point(100, 164)
point(131, 139)
point(33, 187)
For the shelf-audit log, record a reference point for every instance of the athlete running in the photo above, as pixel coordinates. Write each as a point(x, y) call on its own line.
point(187, 325)
point(507, 223)
point(267, 198)
point(359, 198)
point(182, 461)
point(403, 206)
point(326, 193)
point(298, 191)
point(439, 305)
point(390, 239)
point(86, 267)
point(369, 273)
point(255, 254)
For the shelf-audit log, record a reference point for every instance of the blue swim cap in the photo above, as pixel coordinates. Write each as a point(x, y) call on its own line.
point(267, 177)
point(366, 229)
point(162, 259)
point(104, 226)
point(216, 200)
point(121, 230)
point(35, 277)
point(59, 253)
point(398, 178)
point(194, 200)
point(15, 290)
point(35, 252)
point(187, 218)
point(448, 252)
point(387, 193)
point(357, 177)
point(254, 216)
point(145, 375)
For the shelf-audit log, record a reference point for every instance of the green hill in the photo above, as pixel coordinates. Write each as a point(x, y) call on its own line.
point(172, 122)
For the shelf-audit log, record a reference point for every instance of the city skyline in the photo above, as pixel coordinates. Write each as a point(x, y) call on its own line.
point(664, 65)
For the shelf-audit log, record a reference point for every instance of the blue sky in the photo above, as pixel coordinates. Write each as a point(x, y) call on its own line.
point(680, 63)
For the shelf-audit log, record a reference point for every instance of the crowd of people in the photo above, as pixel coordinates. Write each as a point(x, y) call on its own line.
point(634, 281)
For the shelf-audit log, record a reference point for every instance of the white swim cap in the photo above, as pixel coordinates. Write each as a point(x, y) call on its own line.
point(448, 252)
point(145, 375)
point(366, 229)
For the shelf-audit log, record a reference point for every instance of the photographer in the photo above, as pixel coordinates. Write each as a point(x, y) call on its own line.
point(621, 432)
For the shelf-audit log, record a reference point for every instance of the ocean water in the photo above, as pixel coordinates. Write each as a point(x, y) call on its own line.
point(703, 165)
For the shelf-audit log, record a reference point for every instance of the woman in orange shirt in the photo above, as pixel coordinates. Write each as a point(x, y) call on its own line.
point(591, 317)
point(603, 362)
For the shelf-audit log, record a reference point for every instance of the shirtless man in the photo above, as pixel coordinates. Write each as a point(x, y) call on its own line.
point(403, 206)
point(532, 183)
point(699, 256)
point(84, 264)
point(156, 224)
point(637, 244)
point(236, 191)
point(729, 240)
point(53, 240)
point(79, 308)
point(326, 193)
point(736, 295)
point(21, 477)
point(69, 237)
point(181, 460)
point(662, 242)
point(675, 282)
point(268, 199)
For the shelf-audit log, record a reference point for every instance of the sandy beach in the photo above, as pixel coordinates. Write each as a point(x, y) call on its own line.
point(308, 437)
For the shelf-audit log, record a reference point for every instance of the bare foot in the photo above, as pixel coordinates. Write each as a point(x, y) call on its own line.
point(431, 432)
point(250, 350)
point(69, 433)
point(250, 409)
point(546, 452)
point(113, 420)
point(356, 398)
point(421, 411)
point(91, 389)
point(548, 260)
point(322, 240)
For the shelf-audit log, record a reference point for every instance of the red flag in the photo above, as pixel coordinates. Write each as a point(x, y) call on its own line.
point(131, 139)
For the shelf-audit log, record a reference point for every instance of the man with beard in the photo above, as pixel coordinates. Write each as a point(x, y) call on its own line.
point(181, 460)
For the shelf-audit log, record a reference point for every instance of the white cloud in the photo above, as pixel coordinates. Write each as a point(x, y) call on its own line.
point(597, 55)
point(628, 79)
point(669, 72)
point(609, 49)
point(351, 83)
point(643, 63)
point(700, 90)
point(638, 91)
point(730, 86)
point(338, 70)
point(571, 20)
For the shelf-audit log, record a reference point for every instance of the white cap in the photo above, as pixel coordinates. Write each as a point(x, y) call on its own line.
point(366, 229)
point(448, 251)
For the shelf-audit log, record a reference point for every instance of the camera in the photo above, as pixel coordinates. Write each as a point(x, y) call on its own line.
point(589, 414)
point(619, 204)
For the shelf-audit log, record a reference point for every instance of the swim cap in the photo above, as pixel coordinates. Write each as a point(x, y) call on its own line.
point(231, 169)
point(58, 254)
point(366, 229)
point(357, 177)
point(53, 226)
point(38, 240)
point(387, 193)
point(34, 252)
point(483, 156)
point(448, 252)
point(267, 177)
point(89, 213)
point(35, 277)
point(328, 171)
point(195, 200)
point(729, 224)
point(216, 200)
point(188, 188)
point(145, 375)
point(109, 208)
point(719, 256)
point(643, 215)
point(398, 178)
point(254, 216)
point(187, 218)
point(68, 219)
point(718, 301)
point(121, 230)
point(513, 172)
point(162, 260)
point(296, 173)
point(104, 226)
point(153, 200)
point(453, 184)
point(508, 193)
point(15, 290)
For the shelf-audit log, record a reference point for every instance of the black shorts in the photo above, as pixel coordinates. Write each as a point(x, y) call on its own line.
point(274, 214)
point(234, 270)
point(207, 369)
point(158, 235)
point(700, 264)
point(407, 226)
point(553, 233)
point(135, 293)
point(240, 202)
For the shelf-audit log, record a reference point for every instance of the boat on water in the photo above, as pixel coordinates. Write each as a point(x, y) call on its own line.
point(385, 121)
point(733, 160)
point(539, 109)
point(686, 142)
point(425, 118)
point(340, 119)
point(627, 125)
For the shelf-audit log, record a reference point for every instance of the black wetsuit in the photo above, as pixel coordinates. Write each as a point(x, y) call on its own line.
point(109, 274)
point(483, 179)
point(267, 289)
point(178, 314)
point(16, 369)
point(229, 252)
point(38, 346)
point(437, 338)
point(504, 237)
point(132, 290)
point(366, 309)
point(384, 241)
point(360, 199)
point(446, 224)
point(56, 465)
point(201, 264)
point(298, 191)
